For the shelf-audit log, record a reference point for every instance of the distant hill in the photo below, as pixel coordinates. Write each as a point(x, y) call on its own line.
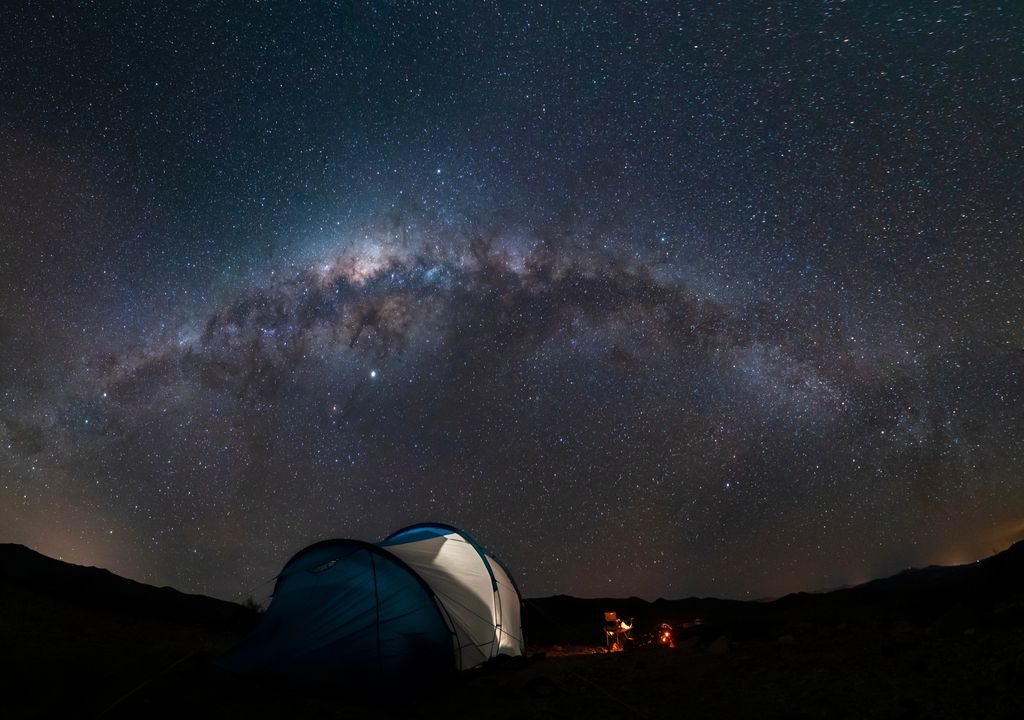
point(95, 637)
point(31, 572)
point(990, 590)
point(920, 596)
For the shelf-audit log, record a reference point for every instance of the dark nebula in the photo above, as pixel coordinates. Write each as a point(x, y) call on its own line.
point(657, 299)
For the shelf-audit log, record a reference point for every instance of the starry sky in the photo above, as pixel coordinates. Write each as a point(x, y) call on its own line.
point(654, 298)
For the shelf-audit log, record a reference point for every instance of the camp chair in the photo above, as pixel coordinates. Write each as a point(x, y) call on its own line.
point(611, 629)
point(616, 632)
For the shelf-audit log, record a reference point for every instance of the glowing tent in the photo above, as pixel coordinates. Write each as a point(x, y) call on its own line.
point(477, 594)
point(425, 601)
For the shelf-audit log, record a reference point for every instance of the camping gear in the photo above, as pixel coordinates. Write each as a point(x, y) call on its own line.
point(616, 632)
point(426, 601)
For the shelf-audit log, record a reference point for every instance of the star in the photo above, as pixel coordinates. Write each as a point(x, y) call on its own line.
point(682, 277)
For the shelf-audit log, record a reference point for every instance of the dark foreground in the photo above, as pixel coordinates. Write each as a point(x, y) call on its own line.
point(935, 643)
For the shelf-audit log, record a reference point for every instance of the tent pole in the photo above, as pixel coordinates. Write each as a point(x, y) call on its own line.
point(376, 607)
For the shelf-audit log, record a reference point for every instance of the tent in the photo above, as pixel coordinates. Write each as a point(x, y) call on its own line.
point(476, 592)
point(425, 601)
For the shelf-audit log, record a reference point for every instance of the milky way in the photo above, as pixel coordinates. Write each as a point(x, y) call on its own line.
point(661, 302)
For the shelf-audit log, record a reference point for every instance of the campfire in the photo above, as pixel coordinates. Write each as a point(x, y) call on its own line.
point(665, 636)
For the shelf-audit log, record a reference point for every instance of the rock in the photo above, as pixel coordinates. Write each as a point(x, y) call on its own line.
point(901, 629)
point(904, 633)
point(1011, 615)
point(955, 620)
point(543, 687)
point(689, 643)
point(720, 646)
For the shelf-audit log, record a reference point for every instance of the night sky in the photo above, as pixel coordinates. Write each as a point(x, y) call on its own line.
point(655, 299)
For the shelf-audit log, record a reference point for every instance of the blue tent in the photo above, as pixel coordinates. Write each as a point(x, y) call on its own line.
point(346, 610)
point(426, 601)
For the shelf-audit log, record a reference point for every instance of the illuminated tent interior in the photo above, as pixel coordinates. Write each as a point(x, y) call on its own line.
point(425, 601)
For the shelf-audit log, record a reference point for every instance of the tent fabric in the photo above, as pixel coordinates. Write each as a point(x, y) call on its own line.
point(458, 571)
point(346, 610)
point(426, 600)
point(510, 627)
